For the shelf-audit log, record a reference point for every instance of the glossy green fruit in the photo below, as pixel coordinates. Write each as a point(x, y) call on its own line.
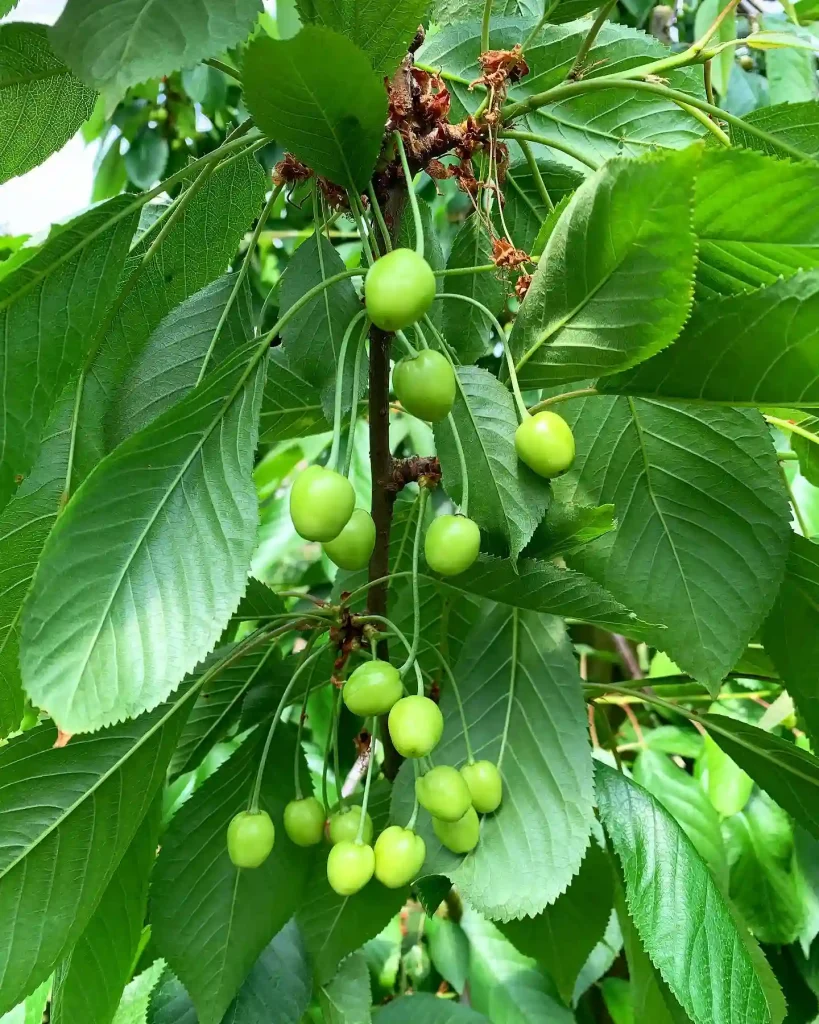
point(425, 385)
point(415, 725)
point(459, 836)
point(344, 825)
point(350, 866)
point(250, 839)
point(545, 442)
point(398, 289)
point(485, 785)
point(444, 793)
point(304, 821)
point(321, 503)
point(353, 546)
point(452, 544)
point(372, 689)
point(399, 856)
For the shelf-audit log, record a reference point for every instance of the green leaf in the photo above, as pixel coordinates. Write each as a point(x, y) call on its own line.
point(517, 666)
point(24, 526)
point(147, 158)
point(114, 46)
point(311, 341)
point(791, 632)
point(212, 920)
point(47, 323)
point(563, 935)
point(133, 1007)
point(453, 12)
point(198, 248)
point(41, 103)
point(505, 985)
point(90, 981)
point(506, 499)
point(33, 1009)
point(448, 949)
point(170, 1002)
point(702, 528)
point(727, 785)
point(148, 561)
point(567, 528)
point(723, 63)
point(808, 450)
point(383, 30)
point(318, 95)
point(794, 123)
point(422, 1006)
point(614, 284)
point(764, 885)
point(465, 326)
point(66, 831)
point(291, 407)
point(346, 998)
point(752, 349)
point(684, 798)
point(680, 914)
point(167, 367)
point(525, 211)
point(791, 71)
point(788, 774)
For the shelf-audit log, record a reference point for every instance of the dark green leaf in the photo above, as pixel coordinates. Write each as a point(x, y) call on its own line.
point(291, 406)
point(318, 95)
point(67, 824)
point(680, 914)
point(794, 123)
point(614, 284)
point(568, 527)
point(525, 210)
point(431, 891)
point(422, 1006)
point(170, 1002)
point(168, 522)
point(453, 12)
point(702, 526)
point(115, 46)
point(41, 103)
point(808, 450)
point(465, 326)
point(147, 158)
point(346, 997)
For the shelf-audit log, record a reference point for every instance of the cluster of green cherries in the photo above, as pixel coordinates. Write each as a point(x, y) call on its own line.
point(399, 289)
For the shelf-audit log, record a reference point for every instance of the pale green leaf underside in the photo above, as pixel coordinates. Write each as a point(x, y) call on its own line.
point(149, 560)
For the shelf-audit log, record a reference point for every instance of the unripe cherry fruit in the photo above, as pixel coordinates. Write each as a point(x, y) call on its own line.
point(416, 725)
point(398, 289)
point(321, 503)
point(425, 385)
point(350, 866)
point(485, 785)
point(353, 547)
point(452, 544)
point(372, 689)
point(304, 821)
point(343, 825)
point(250, 838)
point(459, 836)
point(399, 856)
point(444, 793)
point(545, 442)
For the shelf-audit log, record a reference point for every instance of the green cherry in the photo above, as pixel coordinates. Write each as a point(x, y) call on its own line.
point(425, 385)
point(545, 442)
point(459, 836)
point(304, 821)
point(443, 792)
point(452, 544)
point(350, 866)
point(352, 548)
point(485, 785)
point(321, 503)
point(416, 725)
point(250, 838)
point(399, 856)
point(398, 289)
point(372, 689)
point(343, 825)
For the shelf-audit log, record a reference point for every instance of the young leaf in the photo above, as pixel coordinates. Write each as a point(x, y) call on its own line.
point(47, 321)
point(795, 123)
point(346, 998)
point(41, 103)
point(106, 630)
point(702, 527)
point(68, 824)
point(318, 95)
point(506, 499)
point(748, 349)
point(682, 918)
point(614, 285)
point(423, 1006)
point(89, 983)
point(212, 920)
point(465, 326)
point(114, 46)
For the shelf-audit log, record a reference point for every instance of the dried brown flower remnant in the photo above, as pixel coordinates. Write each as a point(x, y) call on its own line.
point(501, 68)
point(504, 254)
point(290, 171)
point(522, 286)
point(335, 195)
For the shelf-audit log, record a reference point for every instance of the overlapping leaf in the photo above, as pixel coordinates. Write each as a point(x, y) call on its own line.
point(525, 209)
point(150, 558)
point(291, 407)
point(41, 103)
point(794, 123)
point(347, 997)
point(430, 1009)
point(465, 326)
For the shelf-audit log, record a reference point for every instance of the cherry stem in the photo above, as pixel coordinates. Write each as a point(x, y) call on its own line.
point(470, 756)
point(416, 211)
point(379, 217)
point(410, 349)
point(299, 732)
point(373, 583)
point(566, 396)
point(340, 798)
point(423, 494)
point(391, 626)
point(348, 459)
point(335, 451)
point(415, 807)
point(357, 212)
point(513, 668)
point(368, 779)
point(326, 765)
